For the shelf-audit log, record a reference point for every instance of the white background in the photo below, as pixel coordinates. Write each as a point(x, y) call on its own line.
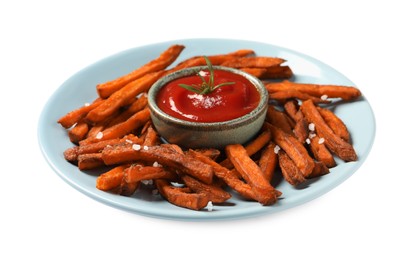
point(45, 42)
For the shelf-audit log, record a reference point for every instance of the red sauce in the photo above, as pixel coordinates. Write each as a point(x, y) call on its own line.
point(224, 103)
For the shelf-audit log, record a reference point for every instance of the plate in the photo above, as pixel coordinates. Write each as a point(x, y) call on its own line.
point(80, 89)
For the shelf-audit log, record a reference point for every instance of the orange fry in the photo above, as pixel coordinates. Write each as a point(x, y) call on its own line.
point(277, 72)
point(89, 161)
point(253, 62)
point(111, 179)
point(214, 59)
point(69, 119)
point(138, 172)
point(294, 149)
point(268, 161)
point(165, 59)
point(316, 90)
point(294, 93)
point(215, 193)
point(335, 123)
point(279, 119)
point(122, 129)
point(180, 197)
point(289, 170)
point(336, 144)
point(249, 170)
point(162, 154)
point(78, 132)
point(122, 97)
point(321, 153)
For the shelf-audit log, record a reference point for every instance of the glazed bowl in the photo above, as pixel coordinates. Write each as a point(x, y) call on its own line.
point(188, 134)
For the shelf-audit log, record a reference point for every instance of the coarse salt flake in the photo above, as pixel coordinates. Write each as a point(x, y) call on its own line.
point(136, 147)
point(129, 141)
point(311, 127)
point(311, 135)
point(147, 182)
point(86, 104)
point(321, 140)
point(99, 135)
point(145, 147)
point(202, 73)
point(324, 97)
point(277, 149)
point(308, 141)
point(209, 206)
point(156, 164)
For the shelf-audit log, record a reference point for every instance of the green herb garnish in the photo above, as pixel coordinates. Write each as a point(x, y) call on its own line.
point(205, 87)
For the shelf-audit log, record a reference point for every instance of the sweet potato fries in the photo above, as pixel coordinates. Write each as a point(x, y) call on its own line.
point(298, 141)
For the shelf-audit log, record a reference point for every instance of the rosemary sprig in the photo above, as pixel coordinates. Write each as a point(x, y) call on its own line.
point(205, 87)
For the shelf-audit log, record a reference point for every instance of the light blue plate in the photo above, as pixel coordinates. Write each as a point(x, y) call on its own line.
point(80, 89)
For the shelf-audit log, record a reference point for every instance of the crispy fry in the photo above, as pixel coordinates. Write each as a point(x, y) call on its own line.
point(151, 137)
point(254, 146)
point(215, 193)
point(138, 105)
point(321, 153)
point(78, 132)
point(165, 59)
point(277, 72)
point(300, 129)
point(69, 119)
point(214, 59)
point(161, 154)
point(249, 170)
point(320, 169)
point(253, 62)
point(139, 172)
point(231, 178)
point(279, 119)
point(336, 144)
point(111, 179)
point(268, 161)
point(294, 93)
point(121, 129)
point(211, 153)
point(180, 197)
point(97, 147)
point(289, 170)
point(89, 161)
point(122, 97)
point(316, 90)
point(127, 188)
point(256, 72)
point(335, 123)
point(71, 154)
point(294, 149)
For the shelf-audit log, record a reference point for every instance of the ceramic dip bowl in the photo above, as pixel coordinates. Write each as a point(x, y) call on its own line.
point(188, 134)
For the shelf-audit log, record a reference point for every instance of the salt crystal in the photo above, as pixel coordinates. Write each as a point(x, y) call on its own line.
point(145, 147)
point(99, 135)
point(277, 149)
point(202, 73)
point(156, 164)
point(308, 141)
point(312, 135)
point(324, 97)
point(129, 141)
point(86, 104)
point(136, 147)
point(311, 126)
point(209, 206)
point(321, 140)
point(147, 182)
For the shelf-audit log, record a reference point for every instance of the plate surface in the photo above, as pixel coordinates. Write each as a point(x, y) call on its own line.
point(80, 89)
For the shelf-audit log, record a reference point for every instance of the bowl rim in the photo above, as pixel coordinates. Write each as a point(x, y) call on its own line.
point(257, 83)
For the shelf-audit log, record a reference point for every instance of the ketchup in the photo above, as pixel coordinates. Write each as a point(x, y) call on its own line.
point(224, 103)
